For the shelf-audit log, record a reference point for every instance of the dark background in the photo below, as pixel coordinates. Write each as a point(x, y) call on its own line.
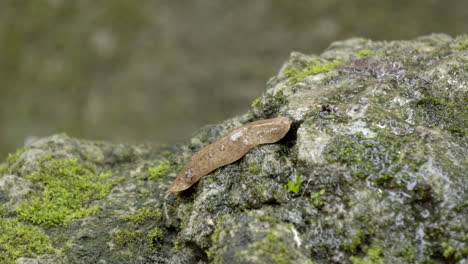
point(155, 71)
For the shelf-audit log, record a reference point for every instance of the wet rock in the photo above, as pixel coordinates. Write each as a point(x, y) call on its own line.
point(373, 170)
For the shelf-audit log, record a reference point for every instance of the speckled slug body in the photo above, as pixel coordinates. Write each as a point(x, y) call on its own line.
point(230, 148)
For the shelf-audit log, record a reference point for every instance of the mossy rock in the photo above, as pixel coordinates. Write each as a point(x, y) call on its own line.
point(373, 170)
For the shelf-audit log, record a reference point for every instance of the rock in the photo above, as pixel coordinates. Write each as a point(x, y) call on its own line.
point(373, 170)
point(26, 261)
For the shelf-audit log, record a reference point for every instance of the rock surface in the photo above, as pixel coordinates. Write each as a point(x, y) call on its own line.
point(373, 170)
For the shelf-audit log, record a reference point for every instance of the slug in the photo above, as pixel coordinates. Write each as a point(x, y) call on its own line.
point(230, 148)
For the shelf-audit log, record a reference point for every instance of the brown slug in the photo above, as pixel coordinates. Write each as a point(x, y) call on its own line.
point(230, 148)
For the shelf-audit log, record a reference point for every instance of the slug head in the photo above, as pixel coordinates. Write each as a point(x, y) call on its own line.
point(186, 178)
point(179, 185)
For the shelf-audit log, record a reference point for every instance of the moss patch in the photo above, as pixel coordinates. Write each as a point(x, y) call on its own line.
point(450, 113)
point(254, 168)
point(256, 102)
point(312, 68)
point(279, 252)
point(155, 234)
point(124, 238)
point(20, 240)
point(276, 249)
point(354, 241)
point(138, 241)
point(373, 256)
point(364, 53)
point(143, 214)
point(365, 155)
point(65, 189)
point(408, 253)
point(140, 233)
point(160, 170)
point(295, 185)
point(10, 161)
point(316, 198)
point(452, 253)
point(462, 46)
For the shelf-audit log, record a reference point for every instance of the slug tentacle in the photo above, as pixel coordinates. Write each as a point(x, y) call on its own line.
point(229, 148)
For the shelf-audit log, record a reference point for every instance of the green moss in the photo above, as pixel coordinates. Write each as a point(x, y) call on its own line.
point(144, 192)
point(276, 249)
point(65, 187)
point(177, 245)
point(254, 168)
point(217, 231)
point(356, 240)
point(462, 46)
point(294, 185)
point(143, 239)
point(408, 253)
point(373, 256)
point(448, 250)
point(452, 253)
point(357, 260)
point(449, 112)
point(364, 154)
point(137, 241)
point(364, 53)
point(316, 198)
point(20, 240)
point(144, 214)
point(313, 67)
point(124, 238)
point(215, 241)
point(155, 234)
point(381, 53)
point(256, 102)
point(346, 149)
point(160, 170)
point(10, 161)
point(12, 158)
point(3, 169)
point(259, 188)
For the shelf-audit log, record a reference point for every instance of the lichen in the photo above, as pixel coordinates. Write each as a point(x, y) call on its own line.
point(64, 190)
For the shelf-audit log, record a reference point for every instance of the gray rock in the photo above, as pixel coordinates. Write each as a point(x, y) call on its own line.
point(373, 170)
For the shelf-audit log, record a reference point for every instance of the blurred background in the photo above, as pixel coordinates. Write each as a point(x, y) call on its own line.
point(155, 71)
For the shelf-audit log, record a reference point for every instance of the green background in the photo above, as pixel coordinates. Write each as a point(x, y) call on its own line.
point(155, 71)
